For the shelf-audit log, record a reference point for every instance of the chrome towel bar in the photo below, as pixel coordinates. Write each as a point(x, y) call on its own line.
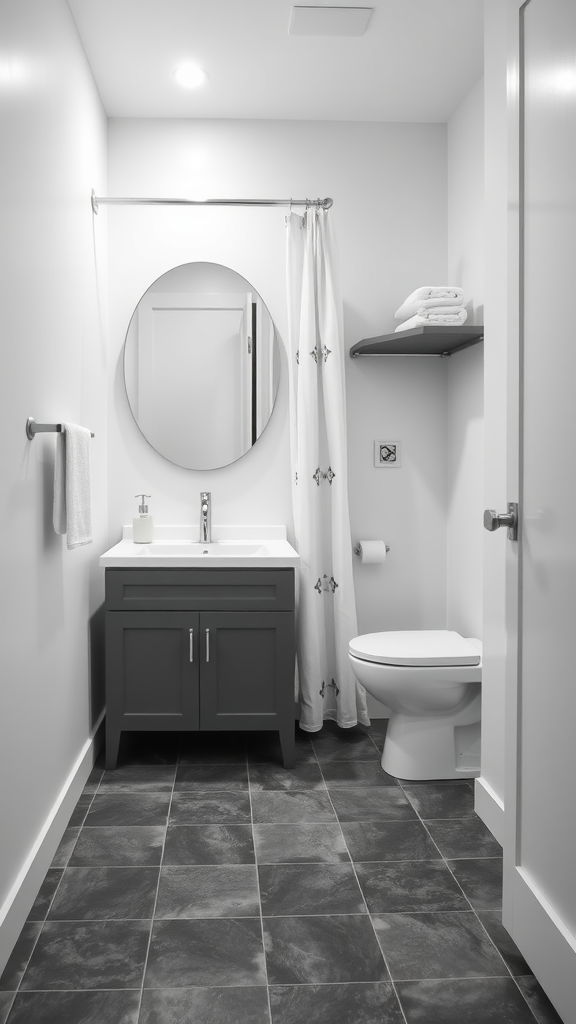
point(33, 428)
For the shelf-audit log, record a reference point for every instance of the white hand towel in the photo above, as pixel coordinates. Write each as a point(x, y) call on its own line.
point(429, 295)
point(72, 513)
point(448, 316)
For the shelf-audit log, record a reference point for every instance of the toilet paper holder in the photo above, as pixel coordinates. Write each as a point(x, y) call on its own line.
point(358, 550)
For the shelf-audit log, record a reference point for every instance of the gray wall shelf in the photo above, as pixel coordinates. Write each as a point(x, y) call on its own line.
point(420, 341)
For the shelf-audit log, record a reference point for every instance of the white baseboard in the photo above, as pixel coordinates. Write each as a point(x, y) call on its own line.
point(18, 903)
point(544, 940)
point(490, 808)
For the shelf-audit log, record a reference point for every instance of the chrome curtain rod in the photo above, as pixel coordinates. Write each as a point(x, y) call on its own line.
point(324, 204)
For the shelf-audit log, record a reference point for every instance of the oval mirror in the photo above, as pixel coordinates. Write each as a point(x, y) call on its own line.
point(201, 365)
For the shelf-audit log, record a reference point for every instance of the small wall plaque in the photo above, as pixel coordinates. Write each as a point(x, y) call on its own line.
point(387, 453)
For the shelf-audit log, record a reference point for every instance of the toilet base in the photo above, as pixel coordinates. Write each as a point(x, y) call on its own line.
point(431, 748)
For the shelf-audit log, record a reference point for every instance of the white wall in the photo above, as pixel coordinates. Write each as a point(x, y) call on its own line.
point(465, 369)
point(53, 368)
point(465, 444)
point(388, 183)
point(465, 142)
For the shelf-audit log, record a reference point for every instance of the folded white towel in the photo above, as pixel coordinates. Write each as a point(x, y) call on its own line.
point(429, 295)
point(72, 508)
point(453, 316)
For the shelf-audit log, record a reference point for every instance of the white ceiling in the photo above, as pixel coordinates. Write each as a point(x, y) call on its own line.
point(416, 61)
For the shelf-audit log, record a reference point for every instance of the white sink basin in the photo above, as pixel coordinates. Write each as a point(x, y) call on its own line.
point(188, 549)
point(232, 547)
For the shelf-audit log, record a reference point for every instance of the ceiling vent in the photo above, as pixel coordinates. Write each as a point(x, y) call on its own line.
point(329, 21)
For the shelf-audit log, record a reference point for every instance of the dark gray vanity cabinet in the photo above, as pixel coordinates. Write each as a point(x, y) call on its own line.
point(200, 649)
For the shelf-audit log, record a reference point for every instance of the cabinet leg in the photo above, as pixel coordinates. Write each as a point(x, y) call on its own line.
point(112, 746)
point(288, 744)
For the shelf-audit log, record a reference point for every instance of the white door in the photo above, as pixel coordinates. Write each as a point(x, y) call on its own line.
point(540, 799)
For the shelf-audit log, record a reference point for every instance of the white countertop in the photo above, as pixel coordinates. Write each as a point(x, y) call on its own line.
point(179, 547)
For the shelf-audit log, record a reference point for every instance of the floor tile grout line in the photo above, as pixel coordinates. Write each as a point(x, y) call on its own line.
point(314, 984)
point(104, 867)
point(61, 868)
point(91, 795)
point(368, 912)
point(479, 977)
point(325, 821)
point(97, 787)
point(254, 917)
point(304, 984)
point(106, 988)
point(259, 898)
point(396, 863)
point(269, 863)
point(347, 760)
point(158, 884)
point(455, 817)
point(507, 966)
point(445, 860)
point(380, 752)
point(11, 1007)
point(522, 993)
point(371, 913)
point(165, 988)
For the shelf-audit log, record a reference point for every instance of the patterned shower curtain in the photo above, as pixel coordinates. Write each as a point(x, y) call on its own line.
point(326, 609)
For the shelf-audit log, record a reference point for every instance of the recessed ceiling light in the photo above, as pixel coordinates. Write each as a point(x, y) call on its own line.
point(190, 75)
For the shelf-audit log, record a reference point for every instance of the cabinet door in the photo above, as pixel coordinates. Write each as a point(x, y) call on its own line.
point(246, 670)
point(152, 670)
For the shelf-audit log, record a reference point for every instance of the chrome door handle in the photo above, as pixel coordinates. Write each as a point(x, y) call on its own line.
point(191, 631)
point(494, 520)
point(207, 645)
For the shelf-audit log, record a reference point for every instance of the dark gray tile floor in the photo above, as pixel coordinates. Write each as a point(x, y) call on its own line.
point(202, 882)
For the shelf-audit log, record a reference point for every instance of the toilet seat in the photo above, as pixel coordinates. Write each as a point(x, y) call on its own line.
point(416, 648)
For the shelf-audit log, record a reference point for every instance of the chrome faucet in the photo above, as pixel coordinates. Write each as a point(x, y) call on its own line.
point(205, 518)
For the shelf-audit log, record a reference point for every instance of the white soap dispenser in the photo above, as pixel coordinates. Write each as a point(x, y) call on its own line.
point(142, 525)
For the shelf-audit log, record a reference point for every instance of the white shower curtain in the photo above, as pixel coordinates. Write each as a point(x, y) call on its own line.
point(326, 610)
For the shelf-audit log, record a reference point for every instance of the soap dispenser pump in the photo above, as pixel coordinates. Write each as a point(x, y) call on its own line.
point(143, 524)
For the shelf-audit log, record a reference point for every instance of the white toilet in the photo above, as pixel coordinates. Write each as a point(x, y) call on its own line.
point(430, 679)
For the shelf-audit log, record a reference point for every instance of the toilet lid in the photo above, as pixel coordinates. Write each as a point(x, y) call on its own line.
point(417, 647)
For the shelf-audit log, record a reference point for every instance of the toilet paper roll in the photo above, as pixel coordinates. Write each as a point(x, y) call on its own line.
point(372, 552)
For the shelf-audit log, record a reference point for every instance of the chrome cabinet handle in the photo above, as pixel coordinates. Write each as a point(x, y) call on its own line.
point(191, 631)
point(207, 645)
point(494, 520)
